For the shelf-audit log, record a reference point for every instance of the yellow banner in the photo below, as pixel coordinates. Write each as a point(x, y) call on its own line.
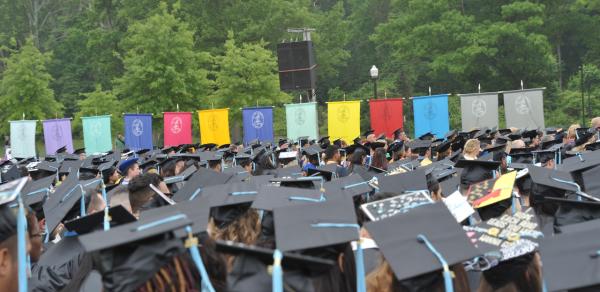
point(343, 120)
point(214, 126)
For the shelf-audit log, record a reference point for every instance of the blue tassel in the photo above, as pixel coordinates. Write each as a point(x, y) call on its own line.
point(106, 216)
point(277, 275)
point(446, 269)
point(22, 246)
point(192, 245)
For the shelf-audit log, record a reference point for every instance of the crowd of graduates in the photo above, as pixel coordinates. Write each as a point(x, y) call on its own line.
point(374, 214)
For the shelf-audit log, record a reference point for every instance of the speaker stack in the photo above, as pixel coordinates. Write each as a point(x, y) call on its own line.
point(297, 66)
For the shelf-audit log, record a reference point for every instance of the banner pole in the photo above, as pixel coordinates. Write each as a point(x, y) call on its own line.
point(429, 90)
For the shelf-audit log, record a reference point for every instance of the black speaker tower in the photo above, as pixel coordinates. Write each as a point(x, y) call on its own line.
point(297, 65)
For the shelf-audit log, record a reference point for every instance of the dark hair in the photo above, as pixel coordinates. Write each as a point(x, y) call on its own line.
point(139, 189)
point(523, 272)
point(168, 169)
point(356, 158)
point(433, 184)
point(379, 159)
point(336, 279)
point(331, 151)
point(8, 223)
point(213, 163)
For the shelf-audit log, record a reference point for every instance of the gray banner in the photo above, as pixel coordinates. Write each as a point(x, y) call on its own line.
point(479, 110)
point(524, 109)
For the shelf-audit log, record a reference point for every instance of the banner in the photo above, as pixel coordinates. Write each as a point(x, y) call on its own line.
point(138, 131)
point(524, 109)
point(22, 138)
point(258, 123)
point(57, 134)
point(96, 134)
point(386, 115)
point(431, 115)
point(301, 120)
point(214, 126)
point(479, 110)
point(343, 120)
point(177, 128)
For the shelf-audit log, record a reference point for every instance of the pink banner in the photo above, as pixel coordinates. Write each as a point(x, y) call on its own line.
point(177, 128)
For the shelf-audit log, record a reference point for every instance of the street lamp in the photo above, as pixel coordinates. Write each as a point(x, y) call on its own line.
point(374, 74)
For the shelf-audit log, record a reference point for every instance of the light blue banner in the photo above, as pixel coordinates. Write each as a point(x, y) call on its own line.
point(431, 115)
point(22, 138)
point(96, 134)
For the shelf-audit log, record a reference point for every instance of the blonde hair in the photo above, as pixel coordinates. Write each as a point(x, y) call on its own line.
point(571, 132)
point(472, 147)
point(381, 279)
point(244, 229)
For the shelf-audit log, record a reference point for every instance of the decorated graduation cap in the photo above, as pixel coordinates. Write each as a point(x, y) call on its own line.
point(382, 209)
point(571, 260)
point(510, 235)
point(492, 197)
point(428, 245)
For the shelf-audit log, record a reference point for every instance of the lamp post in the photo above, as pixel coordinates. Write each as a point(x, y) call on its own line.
point(374, 75)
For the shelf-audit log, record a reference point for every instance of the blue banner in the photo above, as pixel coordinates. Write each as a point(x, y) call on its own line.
point(258, 124)
point(138, 131)
point(431, 115)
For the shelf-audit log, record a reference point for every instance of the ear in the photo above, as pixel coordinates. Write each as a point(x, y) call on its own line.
point(5, 262)
point(42, 225)
point(341, 262)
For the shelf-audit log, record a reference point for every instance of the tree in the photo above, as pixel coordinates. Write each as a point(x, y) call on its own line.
point(99, 102)
point(246, 76)
point(162, 69)
point(24, 89)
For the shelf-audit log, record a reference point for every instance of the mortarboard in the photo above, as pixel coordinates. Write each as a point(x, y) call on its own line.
point(399, 183)
point(200, 179)
point(450, 134)
point(476, 170)
point(443, 147)
point(375, 145)
point(419, 240)
point(351, 185)
point(419, 145)
point(530, 134)
point(491, 191)
point(86, 224)
point(356, 140)
point(62, 252)
point(36, 191)
point(592, 146)
point(79, 151)
point(126, 164)
point(504, 132)
point(312, 150)
point(584, 138)
point(61, 150)
point(325, 174)
point(310, 225)
point(450, 186)
point(381, 136)
point(70, 166)
point(352, 148)
point(426, 136)
point(571, 260)
point(388, 207)
point(271, 197)
point(368, 132)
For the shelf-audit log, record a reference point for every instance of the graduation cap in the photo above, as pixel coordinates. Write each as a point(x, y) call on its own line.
point(476, 170)
point(368, 132)
point(584, 138)
point(580, 162)
point(200, 179)
point(375, 145)
point(381, 137)
point(421, 241)
point(504, 132)
point(70, 166)
point(491, 191)
point(382, 209)
point(352, 185)
point(510, 236)
point(61, 150)
point(571, 260)
point(419, 145)
point(36, 191)
point(312, 150)
point(126, 164)
point(543, 156)
point(399, 183)
point(79, 151)
point(450, 134)
point(271, 197)
point(514, 136)
point(325, 174)
point(426, 136)
point(352, 148)
point(530, 134)
point(450, 186)
point(593, 146)
point(86, 224)
point(443, 147)
point(289, 260)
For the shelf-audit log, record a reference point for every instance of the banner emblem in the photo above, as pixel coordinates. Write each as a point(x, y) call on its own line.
point(478, 108)
point(258, 120)
point(342, 113)
point(430, 111)
point(176, 124)
point(300, 116)
point(137, 127)
point(522, 105)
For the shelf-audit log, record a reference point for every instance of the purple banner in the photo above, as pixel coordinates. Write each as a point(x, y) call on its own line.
point(57, 134)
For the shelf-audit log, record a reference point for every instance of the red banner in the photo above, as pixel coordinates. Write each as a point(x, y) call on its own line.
point(386, 115)
point(177, 128)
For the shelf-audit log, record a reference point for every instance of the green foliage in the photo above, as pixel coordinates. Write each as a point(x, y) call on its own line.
point(24, 89)
point(246, 76)
point(162, 69)
point(99, 102)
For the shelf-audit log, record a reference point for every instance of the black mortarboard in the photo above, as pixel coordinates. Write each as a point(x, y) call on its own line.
point(352, 148)
point(86, 224)
point(381, 136)
point(426, 136)
point(591, 181)
point(35, 191)
point(450, 134)
point(399, 183)
point(62, 149)
point(476, 170)
point(351, 185)
point(147, 227)
point(443, 147)
point(551, 178)
point(543, 156)
point(450, 186)
point(312, 150)
point(375, 145)
point(70, 166)
point(62, 201)
point(584, 138)
point(592, 146)
point(530, 134)
point(79, 151)
point(62, 252)
point(368, 132)
point(504, 131)
point(580, 162)
point(327, 175)
point(418, 145)
point(289, 260)
point(571, 260)
point(356, 140)
point(230, 194)
point(271, 197)
point(416, 235)
point(200, 179)
point(306, 226)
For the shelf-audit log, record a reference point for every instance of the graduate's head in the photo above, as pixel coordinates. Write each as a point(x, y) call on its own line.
point(8, 249)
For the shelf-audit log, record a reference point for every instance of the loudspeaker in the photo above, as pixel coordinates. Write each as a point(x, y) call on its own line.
point(297, 65)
